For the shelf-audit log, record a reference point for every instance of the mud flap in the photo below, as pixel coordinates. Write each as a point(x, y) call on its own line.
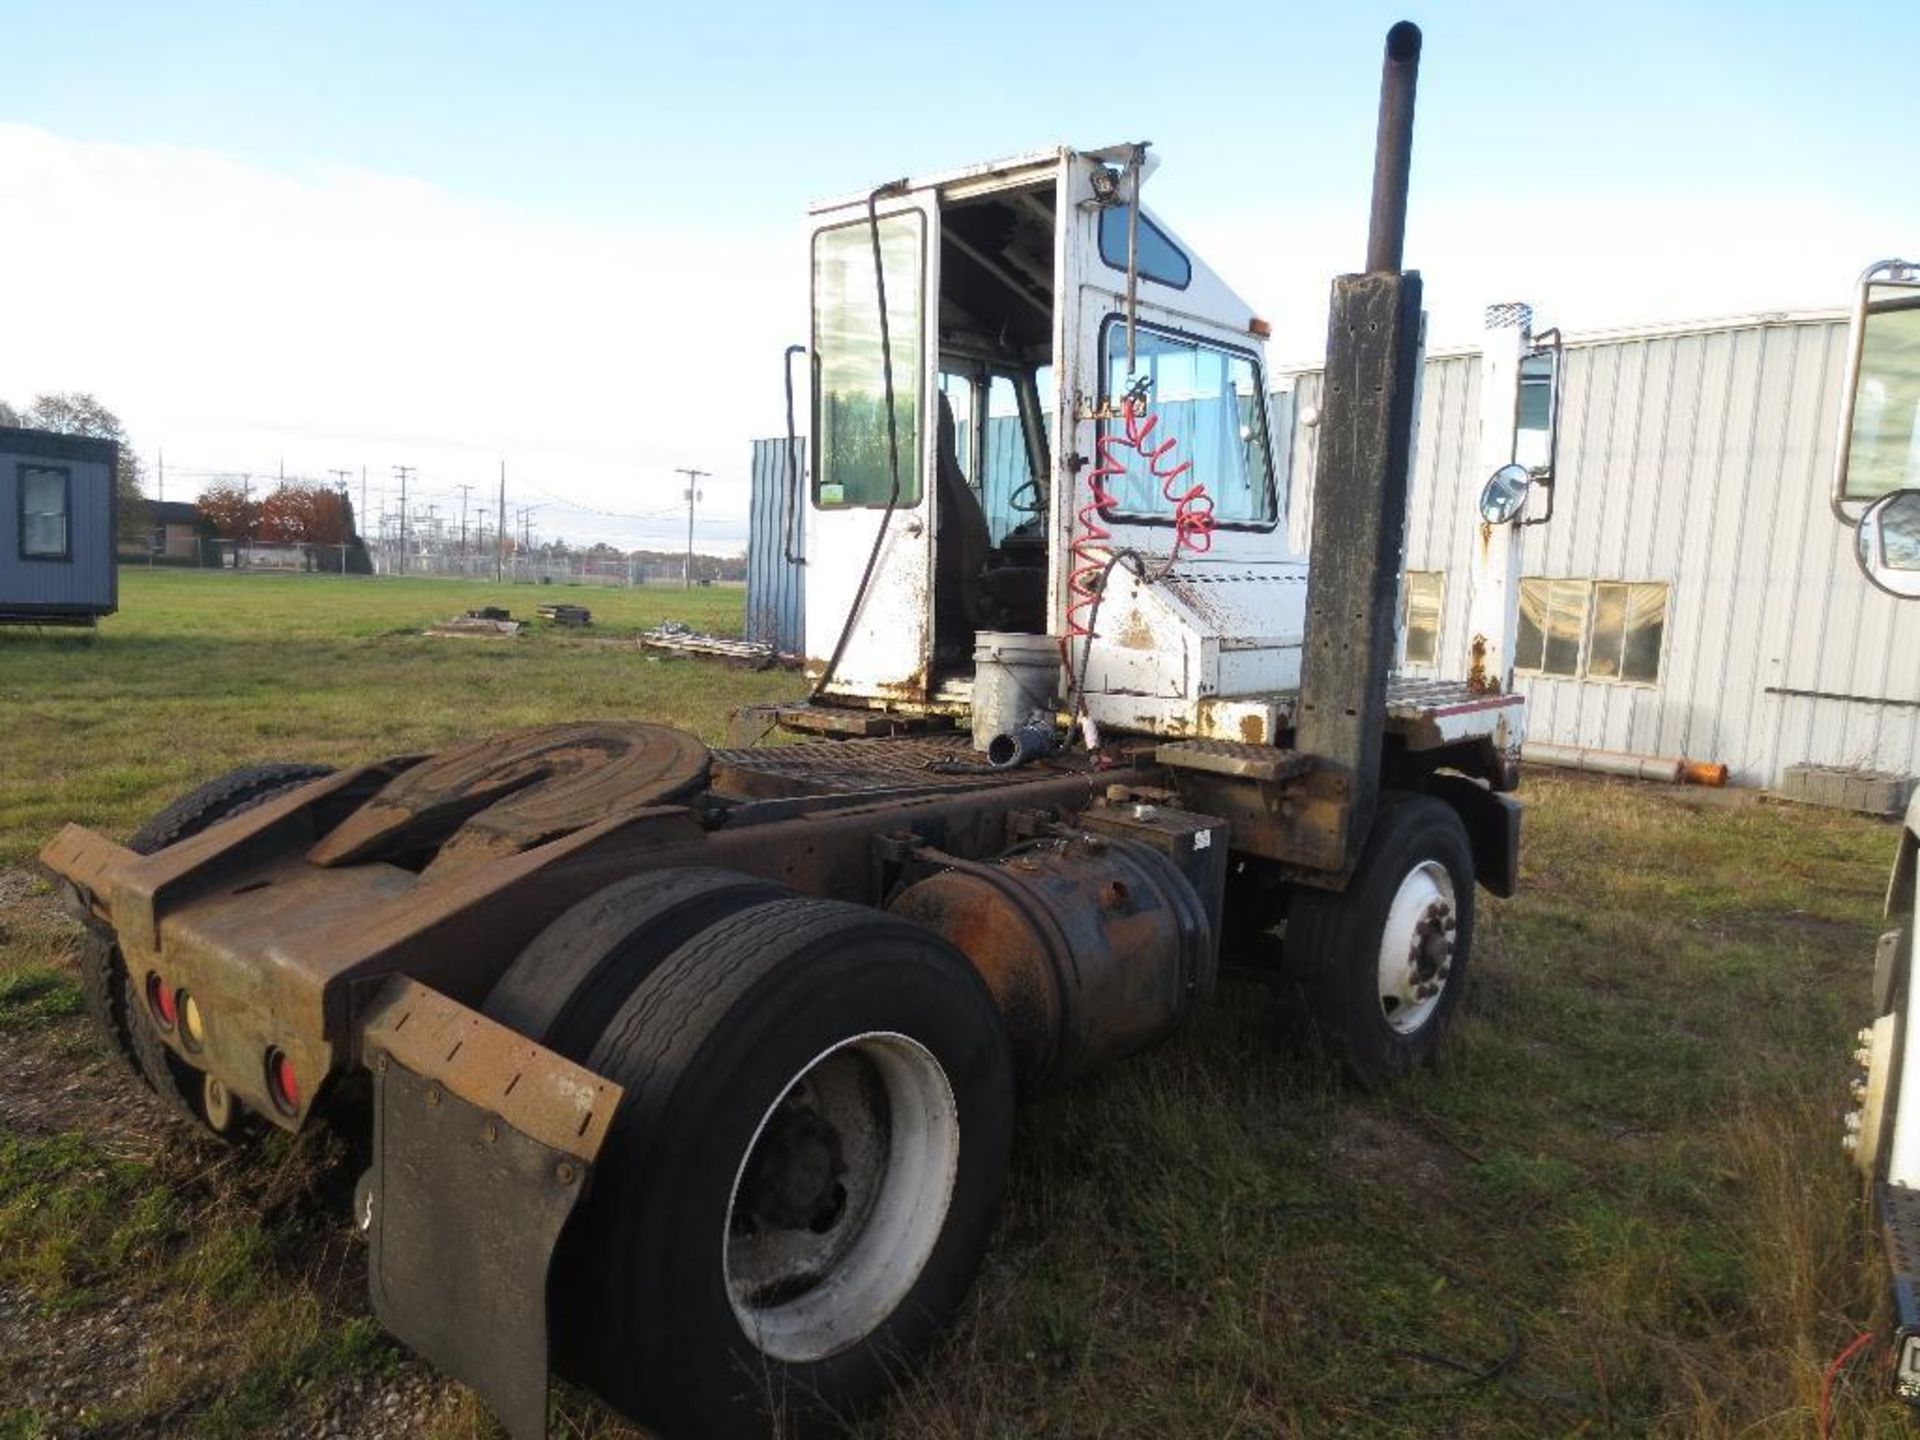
point(483, 1145)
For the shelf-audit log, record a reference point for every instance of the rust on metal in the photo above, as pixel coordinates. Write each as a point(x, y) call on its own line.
point(544, 1096)
point(505, 793)
point(1478, 681)
point(1093, 947)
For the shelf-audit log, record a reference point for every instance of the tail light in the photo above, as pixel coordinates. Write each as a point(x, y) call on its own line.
point(161, 1001)
point(282, 1084)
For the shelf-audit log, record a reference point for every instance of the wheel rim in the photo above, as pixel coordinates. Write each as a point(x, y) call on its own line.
point(841, 1196)
point(1417, 947)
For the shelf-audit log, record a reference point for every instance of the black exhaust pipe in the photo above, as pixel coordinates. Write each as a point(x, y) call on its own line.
point(1393, 148)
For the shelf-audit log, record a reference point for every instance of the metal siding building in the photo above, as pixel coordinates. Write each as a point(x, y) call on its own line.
point(57, 523)
point(776, 585)
point(1698, 457)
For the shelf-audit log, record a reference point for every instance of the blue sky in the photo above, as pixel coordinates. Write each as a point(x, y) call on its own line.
point(1611, 163)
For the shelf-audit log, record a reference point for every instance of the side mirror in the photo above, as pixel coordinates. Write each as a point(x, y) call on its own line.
point(1887, 543)
point(1536, 433)
point(1505, 495)
point(1879, 444)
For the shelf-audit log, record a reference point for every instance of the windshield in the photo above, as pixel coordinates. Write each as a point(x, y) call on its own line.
point(1208, 398)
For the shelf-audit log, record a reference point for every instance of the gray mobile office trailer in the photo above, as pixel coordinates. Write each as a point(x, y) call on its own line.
point(58, 517)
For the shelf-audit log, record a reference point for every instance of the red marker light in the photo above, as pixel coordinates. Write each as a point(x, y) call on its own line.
point(160, 1000)
point(282, 1083)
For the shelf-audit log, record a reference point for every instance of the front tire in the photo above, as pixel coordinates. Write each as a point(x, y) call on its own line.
point(804, 1173)
point(1385, 960)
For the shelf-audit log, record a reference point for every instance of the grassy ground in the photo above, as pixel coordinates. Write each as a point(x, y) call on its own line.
point(1622, 1192)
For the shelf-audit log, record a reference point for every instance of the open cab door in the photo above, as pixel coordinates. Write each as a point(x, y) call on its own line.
point(869, 576)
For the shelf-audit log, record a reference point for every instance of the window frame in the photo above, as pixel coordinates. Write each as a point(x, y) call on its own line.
point(1128, 517)
point(913, 473)
point(1406, 614)
point(1588, 612)
point(65, 472)
point(1100, 244)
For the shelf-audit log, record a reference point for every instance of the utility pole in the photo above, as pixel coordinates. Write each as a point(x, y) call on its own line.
point(246, 514)
point(403, 471)
point(500, 531)
point(464, 490)
point(340, 479)
point(694, 477)
point(162, 457)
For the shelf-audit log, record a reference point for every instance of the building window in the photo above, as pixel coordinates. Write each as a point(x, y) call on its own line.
point(1420, 600)
point(1591, 629)
point(45, 495)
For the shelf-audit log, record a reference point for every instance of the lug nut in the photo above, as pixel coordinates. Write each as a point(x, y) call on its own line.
point(1863, 1057)
point(1849, 1142)
point(1865, 1035)
point(1858, 1090)
point(1852, 1121)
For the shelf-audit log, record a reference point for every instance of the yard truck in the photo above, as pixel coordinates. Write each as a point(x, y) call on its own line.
point(689, 1074)
point(1876, 490)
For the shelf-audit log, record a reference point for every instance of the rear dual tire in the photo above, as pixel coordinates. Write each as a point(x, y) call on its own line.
point(805, 1170)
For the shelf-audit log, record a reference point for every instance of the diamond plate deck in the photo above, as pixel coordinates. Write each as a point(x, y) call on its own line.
point(859, 767)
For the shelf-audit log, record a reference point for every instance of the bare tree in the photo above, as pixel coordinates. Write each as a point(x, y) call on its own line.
point(74, 412)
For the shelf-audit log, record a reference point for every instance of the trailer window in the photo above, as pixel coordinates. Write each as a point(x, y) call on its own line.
point(1593, 630)
point(1209, 399)
point(851, 461)
point(1421, 603)
point(46, 493)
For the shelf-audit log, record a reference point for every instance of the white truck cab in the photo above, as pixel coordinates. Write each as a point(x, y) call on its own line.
point(1876, 491)
point(1025, 300)
point(1080, 464)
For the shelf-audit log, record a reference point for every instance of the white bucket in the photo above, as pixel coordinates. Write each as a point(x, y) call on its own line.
point(1015, 677)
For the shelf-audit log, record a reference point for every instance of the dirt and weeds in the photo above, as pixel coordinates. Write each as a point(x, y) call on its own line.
point(1618, 1209)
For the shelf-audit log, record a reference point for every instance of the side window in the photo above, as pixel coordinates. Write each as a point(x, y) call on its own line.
point(1161, 260)
point(46, 495)
point(1599, 630)
point(1422, 596)
point(1007, 491)
point(1209, 399)
point(851, 462)
point(957, 390)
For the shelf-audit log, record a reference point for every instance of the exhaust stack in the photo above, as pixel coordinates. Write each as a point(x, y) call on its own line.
point(1360, 496)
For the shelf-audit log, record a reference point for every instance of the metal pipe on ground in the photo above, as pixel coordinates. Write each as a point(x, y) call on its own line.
point(1667, 769)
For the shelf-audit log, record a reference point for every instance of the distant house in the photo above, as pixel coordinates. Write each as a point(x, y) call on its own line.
point(172, 532)
point(57, 522)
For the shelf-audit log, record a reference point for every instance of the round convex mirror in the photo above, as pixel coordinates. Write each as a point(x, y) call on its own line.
point(1888, 543)
point(1506, 495)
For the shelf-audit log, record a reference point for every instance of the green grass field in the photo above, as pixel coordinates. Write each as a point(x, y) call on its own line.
point(1618, 1209)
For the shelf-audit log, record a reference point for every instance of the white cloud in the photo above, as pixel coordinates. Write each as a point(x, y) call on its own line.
point(242, 318)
